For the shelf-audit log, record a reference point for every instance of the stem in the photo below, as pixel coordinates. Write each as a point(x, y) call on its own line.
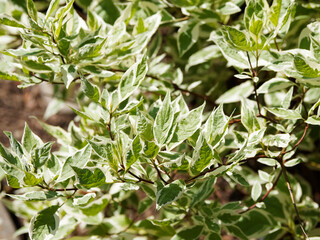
point(254, 74)
point(58, 189)
point(109, 127)
point(257, 99)
point(284, 171)
point(276, 44)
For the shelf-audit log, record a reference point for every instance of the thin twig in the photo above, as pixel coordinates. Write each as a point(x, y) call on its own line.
point(140, 179)
point(300, 140)
point(58, 189)
point(211, 169)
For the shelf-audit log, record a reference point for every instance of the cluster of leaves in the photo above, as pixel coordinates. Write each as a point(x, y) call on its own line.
point(158, 120)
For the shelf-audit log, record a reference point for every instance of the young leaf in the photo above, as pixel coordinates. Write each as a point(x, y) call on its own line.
point(32, 11)
point(54, 4)
point(163, 121)
point(44, 223)
point(170, 193)
point(238, 38)
point(89, 89)
point(7, 20)
point(256, 191)
point(29, 139)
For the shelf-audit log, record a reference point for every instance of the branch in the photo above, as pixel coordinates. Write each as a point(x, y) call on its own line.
point(159, 173)
point(175, 87)
point(284, 171)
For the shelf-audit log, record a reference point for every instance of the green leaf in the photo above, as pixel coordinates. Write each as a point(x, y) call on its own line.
point(255, 28)
point(187, 126)
point(32, 11)
point(36, 196)
point(10, 77)
point(144, 127)
point(170, 193)
point(29, 139)
point(151, 149)
point(239, 178)
point(163, 121)
point(287, 99)
point(15, 145)
point(78, 159)
point(9, 21)
point(213, 236)
point(228, 8)
point(277, 140)
point(313, 120)
point(54, 4)
point(236, 93)
point(133, 77)
point(144, 205)
point(108, 11)
point(88, 178)
point(189, 233)
point(31, 180)
point(203, 55)
point(187, 36)
point(293, 162)
point(216, 126)
point(203, 192)
point(36, 66)
point(201, 158)
point(274, 84)
point(304, 68)
point(238, 38)
point(285, 113)
point(256, 191)
point(91, 91)
point(248, 117)
point(96, 206)
point(41, 155)
point(44, 223)
point(57, 132)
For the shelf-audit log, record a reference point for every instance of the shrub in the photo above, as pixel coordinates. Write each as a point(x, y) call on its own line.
point(173, 99)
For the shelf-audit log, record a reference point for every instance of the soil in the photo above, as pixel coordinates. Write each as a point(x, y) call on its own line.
point(18, 106)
